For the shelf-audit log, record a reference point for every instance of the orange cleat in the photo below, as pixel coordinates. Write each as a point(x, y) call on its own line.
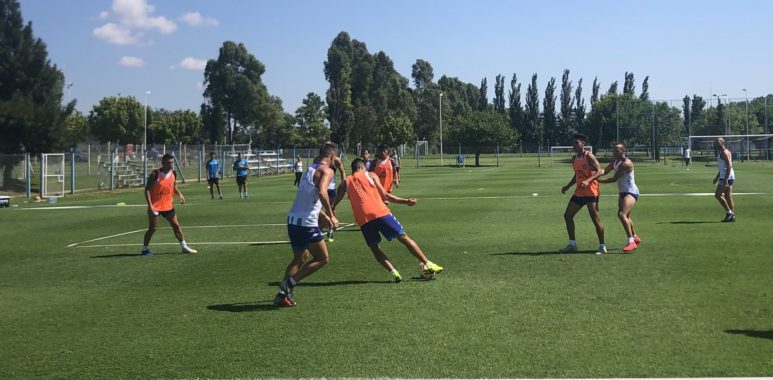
point(630, 247)
point(636, 239)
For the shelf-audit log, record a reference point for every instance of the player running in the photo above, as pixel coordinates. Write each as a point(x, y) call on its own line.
point(724, 179)
point(338, 167)
point(629, 192)
point(367, 196)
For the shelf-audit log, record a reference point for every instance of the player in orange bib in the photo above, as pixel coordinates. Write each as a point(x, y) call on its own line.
point(384, 167)
point(367, 196)
point(159, 194)
point(586, 170)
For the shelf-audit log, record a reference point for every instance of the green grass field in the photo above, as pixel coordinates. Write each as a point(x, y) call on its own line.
point(696, 299)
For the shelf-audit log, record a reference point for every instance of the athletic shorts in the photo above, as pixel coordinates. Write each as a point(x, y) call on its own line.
point(165, 214)
point(386, 225)
point(301, 237)
point(635, 196)
point(582, 201)
point(213, 181)
point(241, 179)
point(729, 182)
point(331, 194)
point(397, 169)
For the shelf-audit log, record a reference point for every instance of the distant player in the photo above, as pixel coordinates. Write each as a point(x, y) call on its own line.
point(587, 193)
point(396, 162)
point(687, 156)
point(384, 168)
point(214, 173)
point(242, 171)
point(338, 167)
point(159, 194)
point(367, 196)
point(298, 169)
point(724, 179)
point(628, 191)
point(366, 158)
point(310, 210)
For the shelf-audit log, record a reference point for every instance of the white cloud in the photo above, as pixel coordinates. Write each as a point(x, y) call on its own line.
point(131, 61)
point(190, 63)
point(131, 16)
point(115, 34)
point(196, 19)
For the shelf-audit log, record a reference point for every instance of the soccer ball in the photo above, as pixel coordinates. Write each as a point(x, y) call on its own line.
point(425, 273)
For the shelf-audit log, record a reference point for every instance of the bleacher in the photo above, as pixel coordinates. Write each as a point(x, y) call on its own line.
point(265, 162)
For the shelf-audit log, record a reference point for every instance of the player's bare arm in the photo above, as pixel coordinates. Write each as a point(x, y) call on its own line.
point(389, 196)
point(569, 185)
point(325, 175)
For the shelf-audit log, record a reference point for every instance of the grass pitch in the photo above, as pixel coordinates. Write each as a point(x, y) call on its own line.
point(695, 299)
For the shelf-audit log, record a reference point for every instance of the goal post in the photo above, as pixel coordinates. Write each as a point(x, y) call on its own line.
point(52, 175)
point(744, 147)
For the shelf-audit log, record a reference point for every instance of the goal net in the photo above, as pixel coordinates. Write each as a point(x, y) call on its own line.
point(744, 147)
point(422, 148)
point(558, 153)
point(52, 175)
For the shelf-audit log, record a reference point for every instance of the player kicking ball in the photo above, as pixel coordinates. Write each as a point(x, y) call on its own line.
point(629, 192)
point(367, 196)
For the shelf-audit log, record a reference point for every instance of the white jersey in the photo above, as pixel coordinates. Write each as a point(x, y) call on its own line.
point(723, 168)
point(299, 167)
point(305, 210)
point(626, 183)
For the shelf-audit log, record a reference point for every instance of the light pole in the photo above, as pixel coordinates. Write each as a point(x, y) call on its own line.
point(718, 103)
point(748, 143)
point(440, 118)
point(145, 143)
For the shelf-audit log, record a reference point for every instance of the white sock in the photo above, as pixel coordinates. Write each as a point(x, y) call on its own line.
point(630, 239)
point(183, 244)
point(573, 242)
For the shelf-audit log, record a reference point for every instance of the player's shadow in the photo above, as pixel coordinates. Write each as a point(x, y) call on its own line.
point(116, 255)
point(244, 307)
point(332, 283)
point(690, 222)
point(541, 253)
point(753, 333)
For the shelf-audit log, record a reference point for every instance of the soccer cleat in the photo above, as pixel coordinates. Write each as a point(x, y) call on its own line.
point(729, 218)
point(284, 299)
point(146, 252)
point(397, 277)
point(434, 268)
point(630, 247)
point(189, 250)
point(570, 248)
point(601, 250)
point(636, 239)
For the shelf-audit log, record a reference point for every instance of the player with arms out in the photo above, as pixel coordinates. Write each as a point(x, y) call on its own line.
point(367, 196)
point(628, 191)
point(159, 194)
point(310, 210)
point(214, 173)
point(585, 165)
point(724, 179)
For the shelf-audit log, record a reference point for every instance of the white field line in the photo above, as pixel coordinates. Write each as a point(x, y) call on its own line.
point(192, 243)
point(105, 237)
point(565, 195)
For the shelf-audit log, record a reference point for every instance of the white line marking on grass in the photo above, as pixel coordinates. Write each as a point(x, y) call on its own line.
point(606, 195)
point(105, 237)
point(192, 243)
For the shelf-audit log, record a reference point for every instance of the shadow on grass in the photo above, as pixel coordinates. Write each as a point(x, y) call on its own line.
point(244, 307)
point(689, 222)
point(333, 283)
point(542, 253)
point(753, 333)
point(116, 255)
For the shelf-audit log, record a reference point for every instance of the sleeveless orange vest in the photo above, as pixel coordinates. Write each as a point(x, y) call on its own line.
point(365, 199)
point(385, 174)
point(582, 171)
point(162, 191)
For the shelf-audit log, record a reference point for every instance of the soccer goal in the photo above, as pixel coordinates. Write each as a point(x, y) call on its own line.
point(422, 148)
point(744, 147)
point(559, 152)
point(52, 175)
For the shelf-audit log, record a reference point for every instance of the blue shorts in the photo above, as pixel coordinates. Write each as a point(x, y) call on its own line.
point(331, 194)
point(635, 196)
point(582, 201)
point(729, 182)
point(387, 225)
point(301, 237)
point(241, 179)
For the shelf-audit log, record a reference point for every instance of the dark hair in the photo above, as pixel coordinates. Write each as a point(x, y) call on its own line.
point(166, 157)
point(580, 136)
point(383, 147)
point(358, 164)
point(212, 154)
point(327, 149)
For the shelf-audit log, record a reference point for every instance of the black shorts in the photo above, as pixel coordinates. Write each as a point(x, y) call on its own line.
point(397, 169)
point(213, 181)
point(241, 179)
point(582, 201)
point(166, 214)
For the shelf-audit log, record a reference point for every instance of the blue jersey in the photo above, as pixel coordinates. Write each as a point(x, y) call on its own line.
point(241, 168)
point(214, 168)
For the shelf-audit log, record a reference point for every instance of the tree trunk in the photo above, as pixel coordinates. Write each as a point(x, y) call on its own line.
point(477, 159)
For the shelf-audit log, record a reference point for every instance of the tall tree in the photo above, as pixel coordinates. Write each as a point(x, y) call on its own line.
point(516, 110)
point(499, 94)
point(594, 97)
point(214, 120)
point(32, 118)
point(628, 86)
point(181, 126)
point(698, 115)
point(612, 89)
point(579, 109)
point(533, 133)
point(310, 119)
point(480, 130)
point(338, 72)
point(120, 120)
point(483, 99)
point(645, 89)
point(686, 112)
point(565, 123)
point(553, 135)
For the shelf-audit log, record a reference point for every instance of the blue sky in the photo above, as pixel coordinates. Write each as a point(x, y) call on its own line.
point(128, 47)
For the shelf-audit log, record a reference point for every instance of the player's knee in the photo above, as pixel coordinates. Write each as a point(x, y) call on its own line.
point(622, 215)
